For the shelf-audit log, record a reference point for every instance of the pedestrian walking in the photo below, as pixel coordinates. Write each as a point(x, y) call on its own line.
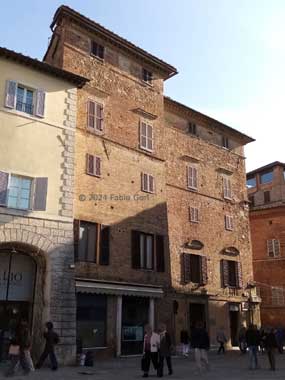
point(270, 346)
point(150, 350)
point(253, 341)
point(164, 351)
point(184, 338)
point(279, 334)
point(221, 339)
point(52, 340)
point(242, 340)
point(20, 350)
point(201, 343)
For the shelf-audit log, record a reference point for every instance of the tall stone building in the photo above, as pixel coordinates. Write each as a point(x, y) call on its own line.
point(37, 125)
point(160, 198)
point(266, 192)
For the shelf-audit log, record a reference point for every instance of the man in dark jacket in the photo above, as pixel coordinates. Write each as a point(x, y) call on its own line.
point(201, 343)
point(253, 341)
point(52, 339)
point(164, 351)
point(270, 344)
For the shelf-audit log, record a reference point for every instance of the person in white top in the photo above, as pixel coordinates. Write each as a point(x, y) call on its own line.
point(150, 350)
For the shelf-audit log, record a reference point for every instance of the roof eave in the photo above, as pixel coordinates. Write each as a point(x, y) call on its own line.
point(169, 70)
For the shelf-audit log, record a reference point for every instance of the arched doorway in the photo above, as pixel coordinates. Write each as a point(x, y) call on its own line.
point(17, 284)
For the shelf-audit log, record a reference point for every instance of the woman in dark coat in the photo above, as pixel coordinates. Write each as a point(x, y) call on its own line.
point(164, 351)
point(270, 346)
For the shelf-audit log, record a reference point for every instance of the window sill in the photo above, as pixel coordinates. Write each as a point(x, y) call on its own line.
point(195, 221)
point(94, 175)
point(101, 60)
point(95, 131)
point(146, 150)
point(148, 192)
point(147, 83)
point(193, 189)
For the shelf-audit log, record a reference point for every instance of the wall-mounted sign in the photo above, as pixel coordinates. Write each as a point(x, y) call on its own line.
point(17, 276)
point(244, 306)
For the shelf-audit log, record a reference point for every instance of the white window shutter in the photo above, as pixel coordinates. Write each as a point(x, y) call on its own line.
point(40, 103)
point(270, 248)
point(98, 166)
point(151, 183)
point(10, 96)
point(276, 247)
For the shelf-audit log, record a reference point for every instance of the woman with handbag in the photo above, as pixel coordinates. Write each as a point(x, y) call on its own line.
point(18, 349)
point(150, 350)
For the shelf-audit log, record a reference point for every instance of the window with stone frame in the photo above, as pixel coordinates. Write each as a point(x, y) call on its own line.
point(225, 142)
point(147, 251)
point(147, 183)
point(93, 165)
point(147, 76)
point(227, 188)
point(192, 177)
point(194, 214)
point(146, 136)
point(229, 222)
point(266, 195)
point(231, 274)
point(273, 248)
point(194, 269)
point(192, 128)
point(277, 296)
point(97, 50)
point(95, 116)
point(91, 242)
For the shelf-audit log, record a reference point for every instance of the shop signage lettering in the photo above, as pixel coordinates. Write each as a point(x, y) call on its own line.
point(14, 277)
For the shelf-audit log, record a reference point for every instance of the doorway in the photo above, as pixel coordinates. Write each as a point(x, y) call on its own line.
point(197, 313)
point(17, 279)
point(234, 324)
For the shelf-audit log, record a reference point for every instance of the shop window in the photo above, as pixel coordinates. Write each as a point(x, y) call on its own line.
point(91, 319)
point(91, 242)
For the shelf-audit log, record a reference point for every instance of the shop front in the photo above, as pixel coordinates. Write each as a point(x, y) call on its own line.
point(112, 316)
point(17, 282)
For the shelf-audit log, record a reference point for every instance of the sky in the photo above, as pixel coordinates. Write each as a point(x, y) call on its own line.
point(230, 54)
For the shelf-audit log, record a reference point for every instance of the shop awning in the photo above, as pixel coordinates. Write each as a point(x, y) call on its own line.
point(118, 289)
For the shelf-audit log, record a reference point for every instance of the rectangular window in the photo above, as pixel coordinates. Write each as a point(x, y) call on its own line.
point(229, 225)
point(266, 177)
point(266, 196)
point(93, 165)
point(251, 182)
point(192, 178)
point(146, 136)
point(225, 142)
point(195, 269)
point(273, 248)
point(194, 214)
point(19, 193)
point(277, 296)
point(97, 50)
point(88, 242)
point(232, 273)
point(95, 119)
point(146, 251)
point(91, 320)
point(24, 101)
point(192, 129)
point(147, 183)
point(227, 188)
point(147, 76)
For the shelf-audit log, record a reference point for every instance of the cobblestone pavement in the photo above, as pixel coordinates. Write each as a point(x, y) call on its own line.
point(232, 366)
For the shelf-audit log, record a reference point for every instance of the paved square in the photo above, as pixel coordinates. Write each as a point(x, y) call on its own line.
point(233, 366)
